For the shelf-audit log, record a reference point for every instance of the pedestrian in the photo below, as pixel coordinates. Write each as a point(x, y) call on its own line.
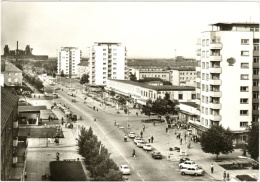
point(181, 141)
point(49, 118)
point(136, 113)
point(149, 139)
point(154, 123)
point(115, 123)
point(212, 168)
point(189, 144)
point(25, 174)
point(152, 139)
point(97, 109)
point(95, 118)
point(141, 133)
point(224, 175)
point(166, 129)
point(227, 176)
point(143, 128)
point(133, 155)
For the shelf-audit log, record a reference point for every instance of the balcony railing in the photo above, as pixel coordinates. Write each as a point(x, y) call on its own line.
point(215, 117)
point(215, 45)
point(215, 57)
point(214, 105)
point(214, 94)
point(215, 82)
point(215, 70)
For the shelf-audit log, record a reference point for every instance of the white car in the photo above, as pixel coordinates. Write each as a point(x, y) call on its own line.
point(69, 93)
point(147, 147)
point(188, 164)
point(124, 169)
point(137, 139)
point(192, 171)
point(140, 143)
point(131, 134)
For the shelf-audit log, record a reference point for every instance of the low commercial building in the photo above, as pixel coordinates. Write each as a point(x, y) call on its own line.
point(141, 92)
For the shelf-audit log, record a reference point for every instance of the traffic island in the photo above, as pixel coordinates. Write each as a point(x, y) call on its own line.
point(67, 171)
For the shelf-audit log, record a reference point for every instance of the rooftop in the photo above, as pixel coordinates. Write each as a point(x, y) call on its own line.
point(192, 104)
point(185, 69)
point(8, 102)
point(157, 88)
point(31, 108)
point(9, 67)
point(236, 24)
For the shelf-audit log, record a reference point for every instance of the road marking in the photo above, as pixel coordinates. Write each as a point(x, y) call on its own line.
point(105, 134)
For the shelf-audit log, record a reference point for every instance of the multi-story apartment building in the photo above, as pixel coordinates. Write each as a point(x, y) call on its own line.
point(11, 75)
point(228, 77)
point(107, 61)
point(183, 76)
point(83, 68)
point(68, 60)
point(141, 92)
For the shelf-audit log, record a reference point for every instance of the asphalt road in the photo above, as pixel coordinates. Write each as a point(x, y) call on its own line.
point(143, 167)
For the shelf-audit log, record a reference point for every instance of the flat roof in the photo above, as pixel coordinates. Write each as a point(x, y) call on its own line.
point(185, 69)
point(235, 23)
point(31, 108)
point(158, 88)
point(193, 104)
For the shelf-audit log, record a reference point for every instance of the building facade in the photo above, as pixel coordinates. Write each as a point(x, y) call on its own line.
point(68, 60)
point(11, 74)
point(107, 61)
point(141, 92)
point(183, 76)
point(228, 77)
point(83, 68)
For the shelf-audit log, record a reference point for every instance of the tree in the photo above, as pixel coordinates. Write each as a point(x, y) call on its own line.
point(62, 73)
point(19, 66)
point(132, 77)
point(121, 101)
point(84, 79)
point(253, 141)
point(217, 140)
point(112, 93)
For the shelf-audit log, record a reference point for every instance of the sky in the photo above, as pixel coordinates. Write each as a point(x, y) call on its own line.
point(147, 29)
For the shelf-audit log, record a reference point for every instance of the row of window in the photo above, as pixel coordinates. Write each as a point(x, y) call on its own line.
point(162, 76)
point(114, 54)
point(109, 49)
point(13, 73)
point(182, 73)
point(10, 80)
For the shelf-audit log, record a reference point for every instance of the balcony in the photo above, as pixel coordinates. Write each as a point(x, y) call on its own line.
point(255, 65)
point(214, 105)
point(198, 57)
point(255, 112)
point(215, 117)
point(255, 88)
point(215, 82)
point(214, 94)
point(215, 45)
point(197, 101)
point(255, 53)
point(198, 79)
point(15, 142)
point(215, 70)
point(215, 58)
point(255, 100)
point(198, 68)
point(256, 77)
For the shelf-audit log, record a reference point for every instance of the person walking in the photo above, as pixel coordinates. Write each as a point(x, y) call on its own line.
point(152, 139)
point(227, 176)
point(212, 168)
point(224, 175)
point(166, 129)
point(181, 141)
point(154, 123)
point(115, 123)
point(133, 155)
point(143, 128)
point(149, 139)
point(141, 133)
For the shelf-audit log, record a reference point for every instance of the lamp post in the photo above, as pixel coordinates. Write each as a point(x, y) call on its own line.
point(105, 137)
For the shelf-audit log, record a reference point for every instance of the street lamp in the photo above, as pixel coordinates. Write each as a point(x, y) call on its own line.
point(105, 137)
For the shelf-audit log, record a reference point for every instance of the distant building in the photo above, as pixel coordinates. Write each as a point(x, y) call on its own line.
point(83, 68)
point(183, 76)
point(107, 61)
point(25, 54)
point(149, 72)
point(141, 92)
point(228, 77)
point(11, 74)
point(68, 60)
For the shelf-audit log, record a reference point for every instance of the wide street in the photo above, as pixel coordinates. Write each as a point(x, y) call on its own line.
point(143, 167)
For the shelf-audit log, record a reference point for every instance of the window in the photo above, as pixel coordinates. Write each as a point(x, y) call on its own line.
point(245, 41)
point(203, 64)
point(243, 101)
point(104, 73)
point(255, 118)
point(256, 47)
point(203, 54)
point(256, 59)
point(243, 112)
point(104, 49)
point(255, 106)
point(104, 68)
point(180, 96)
point(203, 42)
point(244, 89)
point(114, 54)
point(243, 124)
point(207, 42)
point(15, 74)
point(114, 59)
point(255, 83)
point(104, 54)
point(244, 77)
point(104, 59)
point(256, 41)
point(207, 54)
point(255, 71)
point(243, 138)
point(244, 53)
point(255, 95)
point(244, 65)
point(9, 74)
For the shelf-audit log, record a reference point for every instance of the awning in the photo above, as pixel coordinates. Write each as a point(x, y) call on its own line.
point(188, 113)
point(199, 127)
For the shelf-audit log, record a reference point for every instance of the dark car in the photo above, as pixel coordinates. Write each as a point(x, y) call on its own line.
point(156, 155)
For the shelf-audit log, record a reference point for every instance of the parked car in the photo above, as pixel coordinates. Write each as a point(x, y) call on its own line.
point(57, 88)
point(192, 171)
point(188, 164)
point(137, 139)
point(69, 93)
point(140, 143)
point(147, 147)
point(131, 134)
point(124, 169)
point(156, 155)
